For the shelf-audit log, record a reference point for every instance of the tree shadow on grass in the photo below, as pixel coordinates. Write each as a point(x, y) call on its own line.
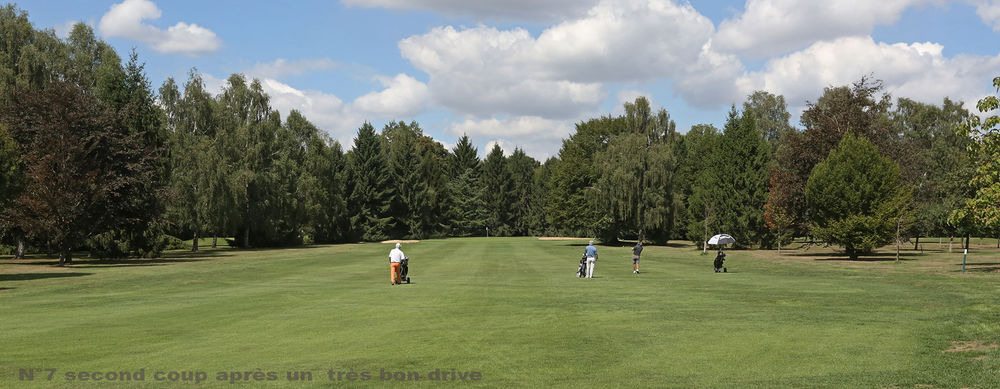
point(85, 263)
point(874, 257)
point(866, 259)
point(105, 265)
point(978, 268)
point(39, 276)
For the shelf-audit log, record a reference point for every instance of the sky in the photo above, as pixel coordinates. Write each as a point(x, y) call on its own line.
point(522, 73)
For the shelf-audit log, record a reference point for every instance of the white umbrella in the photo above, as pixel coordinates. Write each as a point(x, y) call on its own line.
point(721, 239)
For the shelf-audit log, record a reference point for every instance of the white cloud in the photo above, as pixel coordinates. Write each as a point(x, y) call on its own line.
point(213, 84)
point(918, 71)
point(989, 12)
point(629, 95)
point(531, 10)
point(126, 20)
point(281, 67)
point(538, 137)
point(326, 111)
point(770, 27)
point(483, 71)
point(402, 97)
point(62, 30)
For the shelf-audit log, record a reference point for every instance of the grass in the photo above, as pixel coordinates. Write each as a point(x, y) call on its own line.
point(510, 310)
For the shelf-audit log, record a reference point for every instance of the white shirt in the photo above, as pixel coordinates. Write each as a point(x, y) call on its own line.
point(396, 255)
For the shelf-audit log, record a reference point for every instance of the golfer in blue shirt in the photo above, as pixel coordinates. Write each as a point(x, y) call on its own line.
point(591, 253)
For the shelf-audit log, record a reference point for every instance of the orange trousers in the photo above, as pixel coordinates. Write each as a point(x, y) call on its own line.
point(394, 272)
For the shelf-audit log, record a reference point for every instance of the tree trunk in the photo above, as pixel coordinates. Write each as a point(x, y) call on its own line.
point(967, 237)
point(950, 240)
point(704, 247)
point(246, 237)
point(215, 241)
point(851, 252)
point(916, 243)
point(899, 223)
point(194, 243)
point(19, 252)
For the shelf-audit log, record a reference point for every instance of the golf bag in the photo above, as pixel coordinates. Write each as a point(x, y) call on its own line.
point(404, 270)
point(582, 270)
point(719, 260)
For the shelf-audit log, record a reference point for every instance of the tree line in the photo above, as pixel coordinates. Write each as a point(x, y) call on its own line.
point(92, 158)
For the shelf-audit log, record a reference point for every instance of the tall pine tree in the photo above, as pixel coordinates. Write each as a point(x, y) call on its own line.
point(370, 187)
point(497, 192)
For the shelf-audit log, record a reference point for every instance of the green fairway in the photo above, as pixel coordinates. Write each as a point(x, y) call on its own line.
point(510, 312)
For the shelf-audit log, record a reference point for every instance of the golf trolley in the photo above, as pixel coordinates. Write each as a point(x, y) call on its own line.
point(581, 271)
point(404, 270)
point(719, 261)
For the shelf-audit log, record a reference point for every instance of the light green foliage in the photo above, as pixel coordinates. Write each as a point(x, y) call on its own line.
point(29, 58)
point(634, 185)
point(322, 181)
point(197, 179)
point(984, 208)
point(938, 166)
point(257, 150)
point(770, 113)
point(855, 197)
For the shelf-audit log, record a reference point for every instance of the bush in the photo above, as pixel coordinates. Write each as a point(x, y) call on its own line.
point(173, 243)
point(854, 197)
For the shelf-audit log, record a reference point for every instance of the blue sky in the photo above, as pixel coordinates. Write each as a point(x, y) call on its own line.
point(521, 73)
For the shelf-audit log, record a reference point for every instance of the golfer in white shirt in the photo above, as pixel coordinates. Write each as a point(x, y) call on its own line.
point(395, 257)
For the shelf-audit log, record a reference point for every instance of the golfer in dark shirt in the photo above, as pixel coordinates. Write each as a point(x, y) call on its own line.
point(636, 251)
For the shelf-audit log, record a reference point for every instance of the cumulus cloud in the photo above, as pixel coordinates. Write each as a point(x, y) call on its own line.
point(127, 20)
point(989, 12)
point(402, 97)
point(63, 29)
point(538, 137)
point(770, 27)
point(917, 70)
point(281, 67)
point(532, 10)
point(484, 71)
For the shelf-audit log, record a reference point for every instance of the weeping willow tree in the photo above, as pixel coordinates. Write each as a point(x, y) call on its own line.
point(634, 188)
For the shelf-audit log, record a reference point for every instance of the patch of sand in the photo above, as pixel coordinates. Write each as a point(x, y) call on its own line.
point(399, 241)
point(976, 345)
